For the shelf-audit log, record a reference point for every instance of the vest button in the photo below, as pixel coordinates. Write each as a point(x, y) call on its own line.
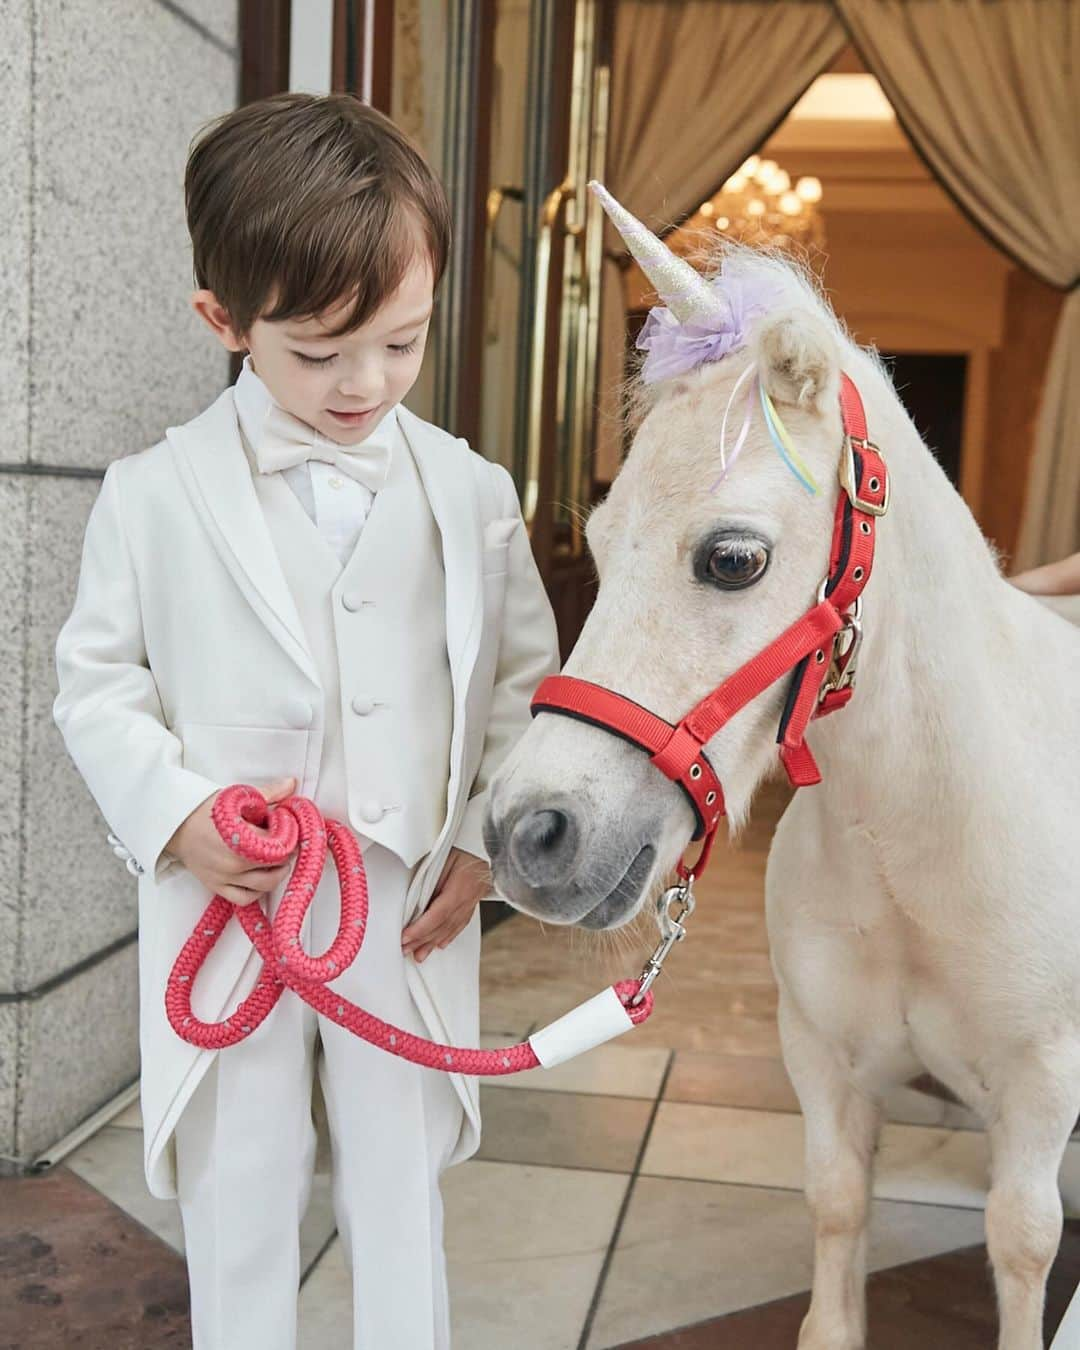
point(362, 705)
point(299, 713)
point(352, 601)
point(371, 811)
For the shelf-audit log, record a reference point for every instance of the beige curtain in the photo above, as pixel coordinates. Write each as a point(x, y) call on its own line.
point(986, 89)
point(696, 86)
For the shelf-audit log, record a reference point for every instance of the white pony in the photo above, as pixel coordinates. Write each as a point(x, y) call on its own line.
point(923, 901)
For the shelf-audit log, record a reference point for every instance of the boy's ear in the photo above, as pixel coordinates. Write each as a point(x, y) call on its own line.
point(209, 308)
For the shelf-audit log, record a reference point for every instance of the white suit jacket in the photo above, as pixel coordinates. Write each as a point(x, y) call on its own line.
point(178, 566)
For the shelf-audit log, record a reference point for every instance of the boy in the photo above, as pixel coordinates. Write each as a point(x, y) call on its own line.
point(309, 588)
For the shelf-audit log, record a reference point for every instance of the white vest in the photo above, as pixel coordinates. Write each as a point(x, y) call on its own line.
point(384, 612)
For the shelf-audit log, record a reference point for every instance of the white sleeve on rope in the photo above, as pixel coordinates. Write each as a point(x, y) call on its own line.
point(583, 1028)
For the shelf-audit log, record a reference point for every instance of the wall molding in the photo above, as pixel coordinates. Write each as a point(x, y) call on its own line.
point(51, 470)
point(69, 972)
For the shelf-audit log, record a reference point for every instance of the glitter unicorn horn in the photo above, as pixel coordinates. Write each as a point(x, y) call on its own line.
point(683, 290)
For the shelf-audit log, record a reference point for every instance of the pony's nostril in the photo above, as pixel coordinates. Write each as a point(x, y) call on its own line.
point(543, 846)
point(548, 827)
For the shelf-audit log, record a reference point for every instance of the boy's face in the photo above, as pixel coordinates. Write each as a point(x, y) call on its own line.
point(341, 386)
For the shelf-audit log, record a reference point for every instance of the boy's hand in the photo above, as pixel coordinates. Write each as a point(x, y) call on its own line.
point(199, 847)
point(464, 881)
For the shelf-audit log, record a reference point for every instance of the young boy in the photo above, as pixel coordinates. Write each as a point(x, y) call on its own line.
point(310, 589)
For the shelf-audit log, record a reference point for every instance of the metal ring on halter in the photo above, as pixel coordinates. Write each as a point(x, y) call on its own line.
point(854, 612)
point(836, 678)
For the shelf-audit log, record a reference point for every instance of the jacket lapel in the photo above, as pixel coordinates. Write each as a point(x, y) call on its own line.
point(452, 498)
point(214, 469)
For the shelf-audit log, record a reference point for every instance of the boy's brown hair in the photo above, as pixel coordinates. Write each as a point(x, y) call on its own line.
point(298, 202)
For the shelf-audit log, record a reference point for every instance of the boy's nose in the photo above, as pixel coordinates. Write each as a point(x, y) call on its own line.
point(364, 386)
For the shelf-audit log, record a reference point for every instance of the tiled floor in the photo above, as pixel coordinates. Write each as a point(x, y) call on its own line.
point(647, 1193)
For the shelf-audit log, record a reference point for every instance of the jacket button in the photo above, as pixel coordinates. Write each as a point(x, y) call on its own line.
point(362, 705)
point(352, 601)
point(371, 811)
point(299, 713)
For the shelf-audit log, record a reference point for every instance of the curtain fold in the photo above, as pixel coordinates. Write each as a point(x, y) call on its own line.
point(729, 69)
point(985, 90)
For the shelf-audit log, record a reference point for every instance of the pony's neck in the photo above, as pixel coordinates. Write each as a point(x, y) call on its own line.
point(936, 655)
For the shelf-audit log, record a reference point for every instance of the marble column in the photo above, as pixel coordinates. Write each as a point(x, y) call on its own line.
point(99, 352)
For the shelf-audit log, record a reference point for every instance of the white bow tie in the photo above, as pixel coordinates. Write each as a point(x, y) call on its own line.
point(286, 441)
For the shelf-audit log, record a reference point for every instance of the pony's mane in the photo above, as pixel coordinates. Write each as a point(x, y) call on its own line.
point(780, 270)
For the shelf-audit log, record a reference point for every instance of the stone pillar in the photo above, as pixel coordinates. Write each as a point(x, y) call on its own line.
point(99, 352)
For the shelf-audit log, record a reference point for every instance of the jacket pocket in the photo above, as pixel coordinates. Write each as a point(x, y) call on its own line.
point(252, 755)
point(495, 561)
point(497, 536)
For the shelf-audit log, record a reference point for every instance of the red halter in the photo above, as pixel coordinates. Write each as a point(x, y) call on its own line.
point(820, 648)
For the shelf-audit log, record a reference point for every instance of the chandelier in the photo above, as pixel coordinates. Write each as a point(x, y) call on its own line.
point(758, 205)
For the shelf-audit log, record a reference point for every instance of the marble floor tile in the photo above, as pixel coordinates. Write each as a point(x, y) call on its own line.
point(710, 1079)
point(612, 1070)
point(562, 1129)
point(112, 1162)
point(130, 1118)
point(762, 1084)
point(79, 1274)
point(689, 1250)
point(943, 1302)
point(525, 1246)
point(764, 1148)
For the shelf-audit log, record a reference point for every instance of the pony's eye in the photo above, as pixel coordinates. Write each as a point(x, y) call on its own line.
point(737, 562)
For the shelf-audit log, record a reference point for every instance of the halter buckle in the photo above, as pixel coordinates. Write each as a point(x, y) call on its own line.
point(847, 476)
point(672, 930)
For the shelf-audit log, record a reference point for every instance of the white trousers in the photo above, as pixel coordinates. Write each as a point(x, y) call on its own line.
point(245, 1154)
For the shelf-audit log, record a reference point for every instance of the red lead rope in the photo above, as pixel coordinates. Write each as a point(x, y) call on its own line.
point(819, 649)
point(296, 823)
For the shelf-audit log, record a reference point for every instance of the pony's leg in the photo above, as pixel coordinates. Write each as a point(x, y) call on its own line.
point(841, 1135)
point(1035, 1116)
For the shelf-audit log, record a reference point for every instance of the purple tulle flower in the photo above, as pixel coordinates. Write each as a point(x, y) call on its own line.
point(673, 348)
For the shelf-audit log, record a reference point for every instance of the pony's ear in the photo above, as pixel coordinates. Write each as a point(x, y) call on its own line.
point(798, 359)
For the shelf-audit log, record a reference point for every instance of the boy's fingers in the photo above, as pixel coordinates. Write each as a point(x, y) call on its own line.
point(442, 938)
point(436, 913)
point(261, 878)
point(443, 932)
point(238, 895)
point(449, 920)
point(419, 931)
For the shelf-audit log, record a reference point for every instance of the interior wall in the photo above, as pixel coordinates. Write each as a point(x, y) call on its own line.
point(1017, 371)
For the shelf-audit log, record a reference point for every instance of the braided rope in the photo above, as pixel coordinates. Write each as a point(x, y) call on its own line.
point(296, 823)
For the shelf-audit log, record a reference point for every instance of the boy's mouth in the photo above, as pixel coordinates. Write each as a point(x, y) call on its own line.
point(351, 419)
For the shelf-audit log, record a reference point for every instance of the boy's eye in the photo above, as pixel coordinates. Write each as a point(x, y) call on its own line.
point(315, 360)
point(404, 348)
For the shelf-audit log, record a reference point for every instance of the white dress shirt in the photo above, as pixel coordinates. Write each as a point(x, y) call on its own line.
point(337, 504)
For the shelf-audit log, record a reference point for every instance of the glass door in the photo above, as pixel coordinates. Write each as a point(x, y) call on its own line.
point(509, 100)
point(542, 139)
